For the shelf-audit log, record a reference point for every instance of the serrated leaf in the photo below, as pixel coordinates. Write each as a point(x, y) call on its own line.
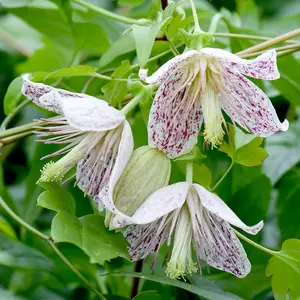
point(285, 270)
point(66, 228)
point(17, 255)
point(90, 234)
point(251, 154)
point(13, 95)
point(244, 148)
point(56, 198)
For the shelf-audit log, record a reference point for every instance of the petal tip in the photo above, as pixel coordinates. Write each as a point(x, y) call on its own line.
point(285, 125)
point(256, 228)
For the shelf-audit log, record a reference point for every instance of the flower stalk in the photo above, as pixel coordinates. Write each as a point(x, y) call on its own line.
point(270, 43)
point(111, 15)
point(223, 177)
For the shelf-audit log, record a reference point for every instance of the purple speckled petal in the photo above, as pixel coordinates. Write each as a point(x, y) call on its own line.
point(219, 247)
point(249, 106)
point(168, 68)
point(171, 127)
point(262, 67)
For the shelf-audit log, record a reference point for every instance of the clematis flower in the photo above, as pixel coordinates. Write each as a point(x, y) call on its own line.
point(197, 85)
point(97, 137)
point(189, 217)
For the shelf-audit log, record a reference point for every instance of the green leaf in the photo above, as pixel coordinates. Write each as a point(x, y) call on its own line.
point(284, 152)
point(66, 228)
point(288, 208)
point(288, 84)
point(14, 254)
point(144, 37)
point(114, 91)
point(79, 70)
point(56, 198)
point(7, 229)
point(48, 58)
point(285, 270)
point(148, 295)
point(244, 148)
point(90, 234)
point(200, 285)
point(13, 95)
point(123, 45)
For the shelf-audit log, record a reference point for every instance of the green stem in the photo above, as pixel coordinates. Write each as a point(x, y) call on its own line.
point(214, 23)
point(291, 48)
point(14, 138)
point(19, 129)
point(173, 47)
point(189, 172)
point(223, 177)
point(271, 42)
point(50, 241)
point(69, 264)
point(260, 247)
point(111, 15)
point(21, 222)
point(286, 52)
point(9, 118)
point(109, 78)
point(132, 104)
point(195, 16)
point(163, 53)
point(251, 37)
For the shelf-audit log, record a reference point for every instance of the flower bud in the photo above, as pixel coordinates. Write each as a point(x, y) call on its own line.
point(147, 171)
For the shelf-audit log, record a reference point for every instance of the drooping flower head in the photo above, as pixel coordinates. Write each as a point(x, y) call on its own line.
point(97, 137)
point(189, 218)
point(197, 85)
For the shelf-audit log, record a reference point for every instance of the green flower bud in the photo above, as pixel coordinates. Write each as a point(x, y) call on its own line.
point(147, 171)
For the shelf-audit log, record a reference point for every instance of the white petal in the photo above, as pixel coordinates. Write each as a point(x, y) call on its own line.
point(219, 247)
point(171, 127)
point(124, 153)
point(159, 204)
point(262, 67)
point(218, 207)
point(90, 114)
point(82, 111)
point(249, 106)
point(168, 68)
point(43, 95)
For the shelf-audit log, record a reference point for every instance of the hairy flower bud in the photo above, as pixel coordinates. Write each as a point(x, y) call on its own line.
point(147, 171)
